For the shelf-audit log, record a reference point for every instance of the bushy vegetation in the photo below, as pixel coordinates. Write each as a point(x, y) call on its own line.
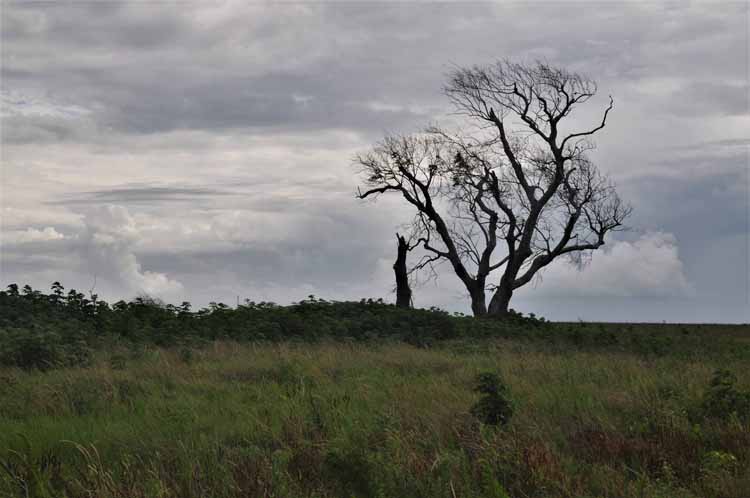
point(327, 399)
point(42, 331)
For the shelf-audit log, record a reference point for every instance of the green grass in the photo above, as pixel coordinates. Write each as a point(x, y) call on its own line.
point(375, 420)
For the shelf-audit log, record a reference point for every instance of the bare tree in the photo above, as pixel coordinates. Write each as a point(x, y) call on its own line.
point(517, 185)
point(400, 268)
point(413, 166)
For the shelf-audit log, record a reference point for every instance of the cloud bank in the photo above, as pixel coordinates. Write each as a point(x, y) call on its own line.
point(649, 266)
point(205, 153)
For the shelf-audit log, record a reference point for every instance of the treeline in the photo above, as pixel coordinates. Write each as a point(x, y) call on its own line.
point(41, 330)
point(145, 319)
point(59, 328)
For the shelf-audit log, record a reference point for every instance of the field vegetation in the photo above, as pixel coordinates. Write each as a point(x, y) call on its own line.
point(363, 399)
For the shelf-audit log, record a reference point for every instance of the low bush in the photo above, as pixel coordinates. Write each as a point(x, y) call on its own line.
point(724, 400)
point(42, 349)
point(495, 406)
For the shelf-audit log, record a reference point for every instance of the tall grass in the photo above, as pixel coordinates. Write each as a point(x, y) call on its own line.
point(337, 419)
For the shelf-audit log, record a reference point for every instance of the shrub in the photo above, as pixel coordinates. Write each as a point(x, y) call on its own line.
point(30, 349)
point(718, 462)
point(41, 349)
point(495, 407)
point(724, 400)
point(186, 355)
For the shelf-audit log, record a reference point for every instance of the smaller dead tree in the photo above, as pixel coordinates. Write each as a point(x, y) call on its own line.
point(403, 290)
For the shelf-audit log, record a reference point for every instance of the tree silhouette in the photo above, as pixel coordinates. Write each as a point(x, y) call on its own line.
point(510, 193)
point(403, 290)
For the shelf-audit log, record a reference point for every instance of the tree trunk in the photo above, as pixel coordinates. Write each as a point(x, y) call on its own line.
point(478, 305)
point(403, 291)
point(500, 300)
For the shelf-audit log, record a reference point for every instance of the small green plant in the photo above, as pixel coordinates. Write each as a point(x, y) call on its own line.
point(717, 471)
point(186, 355)
point(495, 407)
point(724, 400)
point(118, 361)
point(718, 462)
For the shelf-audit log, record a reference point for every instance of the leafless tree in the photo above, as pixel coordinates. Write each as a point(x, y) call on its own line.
point(515, 193)
point(400, 268)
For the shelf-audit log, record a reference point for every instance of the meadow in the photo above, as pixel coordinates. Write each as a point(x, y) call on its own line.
point(598, 410)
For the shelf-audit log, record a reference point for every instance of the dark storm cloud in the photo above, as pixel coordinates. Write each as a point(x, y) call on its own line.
point(42, 129)
point(149, 73)
point(703, 197)
point(148, 70)
point(140, 194)
point(83, 25)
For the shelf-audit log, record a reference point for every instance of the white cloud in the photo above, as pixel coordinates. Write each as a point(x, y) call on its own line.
point(110, 235)
point(648, 266)
point(31, 235)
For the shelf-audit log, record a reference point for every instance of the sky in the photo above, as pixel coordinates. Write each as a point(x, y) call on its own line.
point(202, 151)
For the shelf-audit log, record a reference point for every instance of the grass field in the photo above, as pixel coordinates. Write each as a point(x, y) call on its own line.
point(378, 419)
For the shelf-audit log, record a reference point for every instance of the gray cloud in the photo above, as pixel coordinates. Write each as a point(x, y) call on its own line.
point(224, 134)
point(130, 195)
point(705, 98)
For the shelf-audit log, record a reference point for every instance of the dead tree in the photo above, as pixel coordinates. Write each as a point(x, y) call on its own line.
point(415, 167)
point(403, 290)
point(512, 195)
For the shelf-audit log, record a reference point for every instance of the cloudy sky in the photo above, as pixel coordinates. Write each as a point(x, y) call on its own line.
point(202, 150)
